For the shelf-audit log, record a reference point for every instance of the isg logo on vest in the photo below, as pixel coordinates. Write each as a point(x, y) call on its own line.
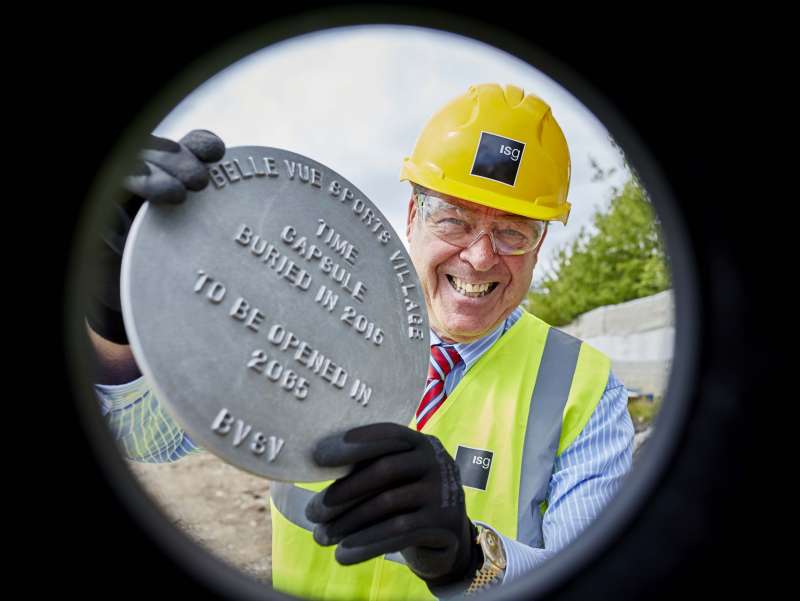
point(474, 466)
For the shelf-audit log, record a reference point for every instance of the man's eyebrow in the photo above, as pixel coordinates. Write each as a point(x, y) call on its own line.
point(508, 216)
point(514, 217)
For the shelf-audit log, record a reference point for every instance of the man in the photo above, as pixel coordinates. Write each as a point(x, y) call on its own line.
point(522, 434)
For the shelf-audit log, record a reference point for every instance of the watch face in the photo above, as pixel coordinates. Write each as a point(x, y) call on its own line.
point(493, 549)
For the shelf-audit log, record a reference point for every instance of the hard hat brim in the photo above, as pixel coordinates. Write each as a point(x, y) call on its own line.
point(545, 208)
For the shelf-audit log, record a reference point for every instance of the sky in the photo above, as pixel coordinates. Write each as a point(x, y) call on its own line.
point(356, 98)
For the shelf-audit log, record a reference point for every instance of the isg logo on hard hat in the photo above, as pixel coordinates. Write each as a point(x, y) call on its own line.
point(497, 158)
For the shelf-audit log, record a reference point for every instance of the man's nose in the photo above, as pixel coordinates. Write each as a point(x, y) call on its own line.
point(480, 254)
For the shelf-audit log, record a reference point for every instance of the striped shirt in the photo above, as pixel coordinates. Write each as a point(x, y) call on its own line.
point(585, 476)
point(140, 424)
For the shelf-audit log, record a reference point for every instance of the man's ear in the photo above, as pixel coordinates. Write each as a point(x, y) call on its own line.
point(412, 214)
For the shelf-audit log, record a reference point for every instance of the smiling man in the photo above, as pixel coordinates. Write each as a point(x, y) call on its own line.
point(522, 434)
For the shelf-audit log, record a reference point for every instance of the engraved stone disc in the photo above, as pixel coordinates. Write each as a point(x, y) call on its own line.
point(273, 308)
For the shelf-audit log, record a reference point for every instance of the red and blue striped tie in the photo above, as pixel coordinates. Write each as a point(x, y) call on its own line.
point(443, 360)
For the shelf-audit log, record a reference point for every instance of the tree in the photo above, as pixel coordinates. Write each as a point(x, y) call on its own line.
point(623, 260)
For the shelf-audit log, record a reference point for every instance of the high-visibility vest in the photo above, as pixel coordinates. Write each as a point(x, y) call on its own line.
point(501, 405)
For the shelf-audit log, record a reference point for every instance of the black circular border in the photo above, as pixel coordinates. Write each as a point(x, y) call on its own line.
point(651, 553)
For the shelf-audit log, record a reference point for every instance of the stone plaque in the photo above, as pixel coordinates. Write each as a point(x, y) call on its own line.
point(273, 308)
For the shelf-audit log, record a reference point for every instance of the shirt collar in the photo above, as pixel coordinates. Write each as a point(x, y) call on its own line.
point(471, 351)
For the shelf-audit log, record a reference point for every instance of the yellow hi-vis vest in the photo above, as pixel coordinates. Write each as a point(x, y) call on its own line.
point(501, 407)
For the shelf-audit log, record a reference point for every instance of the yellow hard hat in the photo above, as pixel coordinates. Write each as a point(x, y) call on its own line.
point(498, 147)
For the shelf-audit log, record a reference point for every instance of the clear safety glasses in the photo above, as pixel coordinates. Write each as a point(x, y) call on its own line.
point(461, 226)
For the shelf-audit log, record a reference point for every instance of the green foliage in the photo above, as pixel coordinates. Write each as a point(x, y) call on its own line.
point(623, 260)
point(643, 411)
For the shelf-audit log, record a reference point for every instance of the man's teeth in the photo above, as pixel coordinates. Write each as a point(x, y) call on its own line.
point(474, 290)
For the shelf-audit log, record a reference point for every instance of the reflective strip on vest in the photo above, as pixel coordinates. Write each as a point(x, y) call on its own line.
point(544, 430)
point(291, 501)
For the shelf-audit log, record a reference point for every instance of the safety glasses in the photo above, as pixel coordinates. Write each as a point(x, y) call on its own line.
point(462, 226)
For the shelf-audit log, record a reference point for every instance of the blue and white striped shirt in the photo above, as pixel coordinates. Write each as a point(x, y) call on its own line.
point(585, 476)
point(140, 424)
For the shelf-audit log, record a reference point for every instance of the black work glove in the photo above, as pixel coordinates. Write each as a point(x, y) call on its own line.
point(404, 494)
point(165, 172)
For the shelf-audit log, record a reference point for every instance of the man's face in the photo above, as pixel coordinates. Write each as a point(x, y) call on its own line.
point(443, 268)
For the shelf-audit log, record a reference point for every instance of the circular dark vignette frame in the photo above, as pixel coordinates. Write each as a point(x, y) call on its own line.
point(640, 485)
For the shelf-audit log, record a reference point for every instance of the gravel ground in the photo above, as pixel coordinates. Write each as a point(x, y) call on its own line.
point(224, 509)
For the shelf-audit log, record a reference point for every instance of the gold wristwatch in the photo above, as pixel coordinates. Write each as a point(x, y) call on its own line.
point(494, 561)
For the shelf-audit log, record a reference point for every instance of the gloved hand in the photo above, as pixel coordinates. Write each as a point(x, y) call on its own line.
point(166, 171)
point(403, 494)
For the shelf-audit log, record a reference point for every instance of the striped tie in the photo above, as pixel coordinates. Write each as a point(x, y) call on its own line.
point(443, 360)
